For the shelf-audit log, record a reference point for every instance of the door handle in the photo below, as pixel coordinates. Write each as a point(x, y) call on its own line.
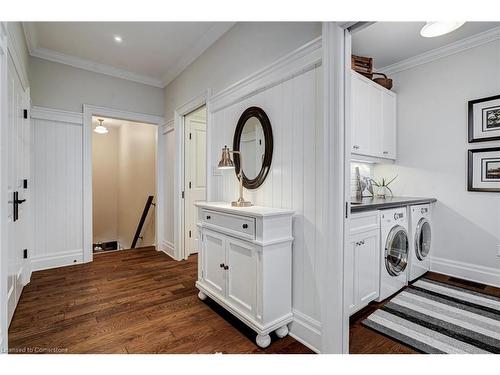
point(15, 205)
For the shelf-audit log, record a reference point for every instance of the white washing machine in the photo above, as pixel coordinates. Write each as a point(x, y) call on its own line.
point(394, 251)
point(420, 240)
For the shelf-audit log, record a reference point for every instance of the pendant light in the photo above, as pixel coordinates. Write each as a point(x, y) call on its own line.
point(433, 29)
point(100, 129)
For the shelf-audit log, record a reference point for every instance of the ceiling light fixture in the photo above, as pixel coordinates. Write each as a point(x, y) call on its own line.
point(118, 39)
point(100, 129)
point(433, 29)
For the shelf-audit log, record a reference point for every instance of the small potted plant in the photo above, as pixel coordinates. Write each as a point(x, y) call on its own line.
point(383, 188)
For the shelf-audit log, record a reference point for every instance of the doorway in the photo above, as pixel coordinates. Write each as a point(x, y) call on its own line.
point(123, 184)
point(195, 174)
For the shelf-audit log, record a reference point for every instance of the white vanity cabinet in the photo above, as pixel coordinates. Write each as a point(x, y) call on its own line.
point(373, 118)
point(362, 261)
point(245, 264)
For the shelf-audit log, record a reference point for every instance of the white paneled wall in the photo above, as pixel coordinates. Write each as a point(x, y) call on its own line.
point(294, 108)
point(57, 189)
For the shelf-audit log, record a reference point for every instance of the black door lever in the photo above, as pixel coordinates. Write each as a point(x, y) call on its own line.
point(16, 202)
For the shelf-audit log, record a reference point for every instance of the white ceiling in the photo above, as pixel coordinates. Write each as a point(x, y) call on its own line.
point(392, 42)
point(153, 53)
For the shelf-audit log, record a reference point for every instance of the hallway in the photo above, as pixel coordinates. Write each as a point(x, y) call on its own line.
point(136, 301)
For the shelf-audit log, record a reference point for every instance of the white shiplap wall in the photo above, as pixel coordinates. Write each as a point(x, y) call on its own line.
point(57, 190)
point(294, 108)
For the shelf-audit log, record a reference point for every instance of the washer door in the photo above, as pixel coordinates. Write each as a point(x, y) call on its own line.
point(396, 251)
point(423, 239)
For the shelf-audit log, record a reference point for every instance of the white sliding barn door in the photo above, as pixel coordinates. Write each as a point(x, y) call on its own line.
point(57, 188)
point(18, 166)
point(195, 175)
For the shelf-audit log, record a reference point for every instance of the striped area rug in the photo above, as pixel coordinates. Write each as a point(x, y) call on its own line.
point(434, 317)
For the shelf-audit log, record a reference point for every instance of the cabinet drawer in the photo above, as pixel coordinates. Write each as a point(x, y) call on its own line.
point(238, 225)
point(365, 221)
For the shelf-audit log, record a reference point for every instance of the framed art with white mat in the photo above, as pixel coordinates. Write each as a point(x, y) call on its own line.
point(484, 170)
point(484, 119)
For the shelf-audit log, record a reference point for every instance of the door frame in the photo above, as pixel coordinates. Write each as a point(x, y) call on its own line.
point(3, 177)
point(337, 93)
point(88, 112)
point(179, 209)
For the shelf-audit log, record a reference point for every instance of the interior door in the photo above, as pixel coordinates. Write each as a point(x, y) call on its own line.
point(195, 175)
point(241, 276)
point(18, 155)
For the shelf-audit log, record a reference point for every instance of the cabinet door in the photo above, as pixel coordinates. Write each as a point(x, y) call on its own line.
point(367, 259)
point(375, 130)
point(363, 269)
point(214, 256)
point(242, 276)
point(360, 115)
point(389, 126)
point(350, 269)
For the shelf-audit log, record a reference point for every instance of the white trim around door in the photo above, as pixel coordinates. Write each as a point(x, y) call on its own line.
point(335, 323)
point(88, 112)
point(179, 113)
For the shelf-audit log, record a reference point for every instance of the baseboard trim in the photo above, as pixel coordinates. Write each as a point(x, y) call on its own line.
point(64, 258)
point(306, 330)
point(467, 271)
point(168, 248)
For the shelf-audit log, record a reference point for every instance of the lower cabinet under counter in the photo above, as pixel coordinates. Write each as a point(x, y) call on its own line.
point(362, 261)
point(248, 271)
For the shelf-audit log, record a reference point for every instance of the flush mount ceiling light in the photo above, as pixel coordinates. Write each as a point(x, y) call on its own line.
point(118, 39)
point(100, 129)
point(433, 29)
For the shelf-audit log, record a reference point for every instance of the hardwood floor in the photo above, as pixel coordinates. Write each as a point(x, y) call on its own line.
point(363, 340)
point(135, 301)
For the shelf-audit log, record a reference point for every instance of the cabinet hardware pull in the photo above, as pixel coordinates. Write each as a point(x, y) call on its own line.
point(355, 147)
point(226, 267)
point(221, 265)
point(386, 152)
point(245, 226)
point(208, 217)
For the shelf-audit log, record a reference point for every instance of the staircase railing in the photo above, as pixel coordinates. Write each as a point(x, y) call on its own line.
point(149, 203)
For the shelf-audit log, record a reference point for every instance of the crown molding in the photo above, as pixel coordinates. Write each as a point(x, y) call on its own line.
point(210, 37)
point(447, 50)
point(91, 66)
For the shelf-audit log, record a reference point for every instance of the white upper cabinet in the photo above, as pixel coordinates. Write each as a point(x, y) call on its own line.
point(373, 118)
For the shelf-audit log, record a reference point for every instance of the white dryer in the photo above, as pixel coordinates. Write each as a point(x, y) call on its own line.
point(394, 251)
point(420, 240)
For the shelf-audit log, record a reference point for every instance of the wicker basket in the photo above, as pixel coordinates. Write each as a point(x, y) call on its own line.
point(383, 81)
point(362, 65)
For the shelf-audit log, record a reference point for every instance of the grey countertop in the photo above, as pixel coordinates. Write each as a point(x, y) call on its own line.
point(372, 204)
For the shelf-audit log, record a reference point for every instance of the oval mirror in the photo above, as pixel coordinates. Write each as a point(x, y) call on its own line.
point(253, 138)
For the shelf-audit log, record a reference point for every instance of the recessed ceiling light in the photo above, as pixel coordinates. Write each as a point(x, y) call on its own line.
point(433, 29)
point(118, 38)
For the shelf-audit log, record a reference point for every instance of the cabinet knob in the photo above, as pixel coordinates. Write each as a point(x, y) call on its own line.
point(355, 147)
point(221, 265)
point(245, 226)
point(226, 267)
point(208, 217)
point(386, 152)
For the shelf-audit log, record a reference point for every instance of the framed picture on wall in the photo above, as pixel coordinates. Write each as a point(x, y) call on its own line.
point(484, 170)
point(484, 119)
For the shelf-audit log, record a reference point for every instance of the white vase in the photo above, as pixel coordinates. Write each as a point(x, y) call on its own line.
point(383, 192)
